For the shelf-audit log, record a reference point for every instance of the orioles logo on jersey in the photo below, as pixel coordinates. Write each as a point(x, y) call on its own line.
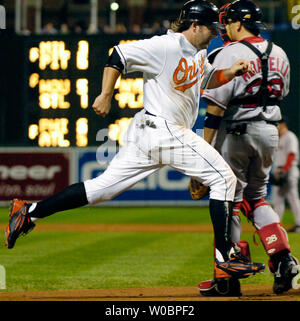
point(186, 76)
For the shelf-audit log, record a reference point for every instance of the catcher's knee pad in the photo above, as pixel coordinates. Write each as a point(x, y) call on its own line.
point(248, 207)
point(274, 238)
point(258, 203)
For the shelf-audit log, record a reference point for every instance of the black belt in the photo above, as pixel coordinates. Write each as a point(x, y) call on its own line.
point(253, 102)
point(240, 127)
point(270, 122)
point(147, 113)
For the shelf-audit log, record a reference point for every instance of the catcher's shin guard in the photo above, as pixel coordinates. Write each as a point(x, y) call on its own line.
point(274, 238)
point(243, 247)
point(282, 264)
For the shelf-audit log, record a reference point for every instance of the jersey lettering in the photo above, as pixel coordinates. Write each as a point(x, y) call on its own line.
point(184, 72)
point(275, 65)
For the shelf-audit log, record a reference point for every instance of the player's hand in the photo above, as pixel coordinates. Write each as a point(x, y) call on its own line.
point(102, 105)
point(241, 67)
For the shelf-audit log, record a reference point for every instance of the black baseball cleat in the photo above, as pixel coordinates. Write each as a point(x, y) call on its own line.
point(220, 287)
point(19, 222)
point(286, 274)
point(238, 266)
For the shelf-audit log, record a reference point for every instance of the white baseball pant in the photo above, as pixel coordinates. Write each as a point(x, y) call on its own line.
point(152, 142)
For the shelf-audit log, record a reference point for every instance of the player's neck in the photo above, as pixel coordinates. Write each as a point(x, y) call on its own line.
point(244, 34)
point(283, 131)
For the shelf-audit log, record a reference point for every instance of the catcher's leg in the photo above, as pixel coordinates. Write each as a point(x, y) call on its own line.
point(275, 241)
point(278, 201)
point(293, 199)
point(236, 229)
point(202, 162)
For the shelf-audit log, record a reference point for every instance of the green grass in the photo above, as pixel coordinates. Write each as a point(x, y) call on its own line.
point(150, 215)
point(45, 260)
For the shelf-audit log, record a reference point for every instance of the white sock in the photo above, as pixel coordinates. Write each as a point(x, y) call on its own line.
point(31, 208)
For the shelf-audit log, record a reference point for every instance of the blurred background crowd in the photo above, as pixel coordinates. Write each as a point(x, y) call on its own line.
point(115, 16)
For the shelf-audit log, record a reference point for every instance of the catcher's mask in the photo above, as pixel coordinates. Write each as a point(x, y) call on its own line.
point(223, 32)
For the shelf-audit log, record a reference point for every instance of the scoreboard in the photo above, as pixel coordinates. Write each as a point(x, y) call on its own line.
point(62, 77)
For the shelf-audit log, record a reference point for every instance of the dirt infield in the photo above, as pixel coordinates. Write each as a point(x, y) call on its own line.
point(123, 227)
point(251, 292)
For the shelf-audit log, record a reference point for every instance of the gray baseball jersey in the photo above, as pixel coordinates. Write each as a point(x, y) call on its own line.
point(247, 86)
point(250, 156)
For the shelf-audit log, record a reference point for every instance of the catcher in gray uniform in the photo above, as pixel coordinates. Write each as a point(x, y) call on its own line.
point(248, 111)
point(286, 174)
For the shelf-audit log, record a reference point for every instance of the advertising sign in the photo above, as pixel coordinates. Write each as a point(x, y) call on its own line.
point(166, 187)
point(33, 175)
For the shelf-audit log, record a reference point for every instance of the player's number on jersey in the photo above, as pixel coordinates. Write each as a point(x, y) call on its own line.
point(275, 87)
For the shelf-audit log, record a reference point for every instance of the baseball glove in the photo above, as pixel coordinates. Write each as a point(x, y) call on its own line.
point(198, 190)
point(279, 179)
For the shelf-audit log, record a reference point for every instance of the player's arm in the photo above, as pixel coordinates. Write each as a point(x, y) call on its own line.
point(223, 76)
point(111, 73)
point(213, 118)
point(289, 161)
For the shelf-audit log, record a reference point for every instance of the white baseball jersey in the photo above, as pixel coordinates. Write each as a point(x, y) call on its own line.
point(249, 84)
point(173, 71)
point(288, 143)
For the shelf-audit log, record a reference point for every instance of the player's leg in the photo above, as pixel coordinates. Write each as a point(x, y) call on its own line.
point(264, 218)
point(128, 167)
point(236, 229)
point(237, 151)
point(278, 201)
point(294, 202)
point(199, 160)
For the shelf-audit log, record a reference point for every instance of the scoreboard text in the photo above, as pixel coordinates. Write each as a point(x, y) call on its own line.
point(63, 78)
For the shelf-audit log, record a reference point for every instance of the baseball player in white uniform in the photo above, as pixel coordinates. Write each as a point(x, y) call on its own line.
point(248, 138)
point(174, 68)
point(286, 163)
